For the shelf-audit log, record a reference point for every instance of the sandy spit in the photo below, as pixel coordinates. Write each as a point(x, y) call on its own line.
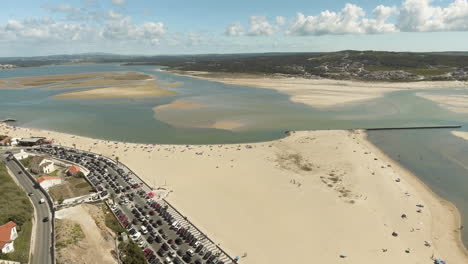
point(314, 195)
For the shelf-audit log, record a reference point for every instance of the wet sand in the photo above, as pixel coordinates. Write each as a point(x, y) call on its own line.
point(180, 105)
point(454, 102)
point(314, 195)
point(319, 93)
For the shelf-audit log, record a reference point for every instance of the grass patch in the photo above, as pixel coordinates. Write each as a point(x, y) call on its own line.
point(70, 233)
point(15, 206)
point(296, 160)
point(26, 162)
point(131, 253)
point(69, 188)
point(111, 221)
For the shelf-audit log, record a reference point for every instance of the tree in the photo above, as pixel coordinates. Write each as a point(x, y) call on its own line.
point(80, 174)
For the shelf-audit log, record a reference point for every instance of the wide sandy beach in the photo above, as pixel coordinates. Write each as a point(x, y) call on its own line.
point(307, 198)
point(321, 93)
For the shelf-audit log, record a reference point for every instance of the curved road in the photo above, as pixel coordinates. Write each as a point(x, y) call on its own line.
point(41, 253)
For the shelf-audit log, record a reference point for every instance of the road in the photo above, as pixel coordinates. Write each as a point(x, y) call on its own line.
point(43, 238)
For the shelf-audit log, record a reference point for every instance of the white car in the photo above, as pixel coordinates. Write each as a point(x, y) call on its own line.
point(167, 260)
point(136, 236)
point(41, 201)
point(144, 230)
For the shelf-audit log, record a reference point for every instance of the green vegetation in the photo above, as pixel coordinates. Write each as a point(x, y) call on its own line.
point(131, 254)
point(22, 243)
point(111, 221)
point(26, 162)
point(16, 207)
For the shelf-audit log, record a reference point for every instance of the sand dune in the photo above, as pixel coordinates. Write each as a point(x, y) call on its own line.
point(319, 93)
point(306, 198)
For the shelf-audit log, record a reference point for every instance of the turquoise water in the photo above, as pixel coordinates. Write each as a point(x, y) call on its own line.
point(437, 157)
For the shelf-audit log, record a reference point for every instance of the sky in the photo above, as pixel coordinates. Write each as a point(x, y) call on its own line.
point(154, 27)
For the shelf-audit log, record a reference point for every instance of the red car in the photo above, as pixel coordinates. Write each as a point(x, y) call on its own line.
point(147, 252)
point(122, 216)
point(125, 223)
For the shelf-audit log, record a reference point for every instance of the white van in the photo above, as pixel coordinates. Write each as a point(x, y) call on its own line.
point(144, 231)
point(41, 201)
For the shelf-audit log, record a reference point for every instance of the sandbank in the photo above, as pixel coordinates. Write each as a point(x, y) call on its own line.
point(454, 102)
point(461, 134)
point(319, 93)
point(29, 82)
point(180, 105)
point(108, 79)
point(148, 89)
point(306, 198)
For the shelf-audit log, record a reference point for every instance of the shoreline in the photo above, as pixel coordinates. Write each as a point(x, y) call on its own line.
point(441, 210)
point(425, 189)
point(319, 93)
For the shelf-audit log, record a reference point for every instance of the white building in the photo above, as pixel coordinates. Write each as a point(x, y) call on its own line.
point(8, 235)
point(46, 182)
point(41, 164)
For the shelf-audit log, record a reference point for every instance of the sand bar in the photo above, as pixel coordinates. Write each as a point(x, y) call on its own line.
point(461, 134)
point(454, 102)
point(313, 195)
point(319, 93)
point(29, 82)
point(148, 89)
point(180, 105)
point(107, 79)
point(84, 80)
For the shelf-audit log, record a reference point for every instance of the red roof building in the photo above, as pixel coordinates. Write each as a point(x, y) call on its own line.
point(7, 236)
point(73, 170)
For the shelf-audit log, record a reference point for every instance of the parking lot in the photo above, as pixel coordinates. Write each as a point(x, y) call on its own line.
point(159, 230)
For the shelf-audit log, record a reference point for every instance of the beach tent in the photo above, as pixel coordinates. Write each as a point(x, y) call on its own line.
point(439, 261)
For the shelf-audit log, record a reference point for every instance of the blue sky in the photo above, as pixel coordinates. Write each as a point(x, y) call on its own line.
point(32, 27)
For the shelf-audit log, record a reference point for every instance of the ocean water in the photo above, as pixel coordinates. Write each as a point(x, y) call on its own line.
point(437, 157)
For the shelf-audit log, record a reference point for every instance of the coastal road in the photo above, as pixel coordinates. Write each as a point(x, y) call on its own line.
point(41, 253)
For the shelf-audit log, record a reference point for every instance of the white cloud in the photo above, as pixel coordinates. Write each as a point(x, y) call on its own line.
point(259, 26)
point(124, 30)
point(235, 29)
point(119, 2)
point(114, 15)
point(420, 15)
point(350, 20)
point(411, 16)
point(280, 20)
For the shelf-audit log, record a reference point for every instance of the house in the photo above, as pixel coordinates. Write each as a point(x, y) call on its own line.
point(41, 164)
point(46, 181)
point(5, 141)
point(73, 170)
point(7, 236)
